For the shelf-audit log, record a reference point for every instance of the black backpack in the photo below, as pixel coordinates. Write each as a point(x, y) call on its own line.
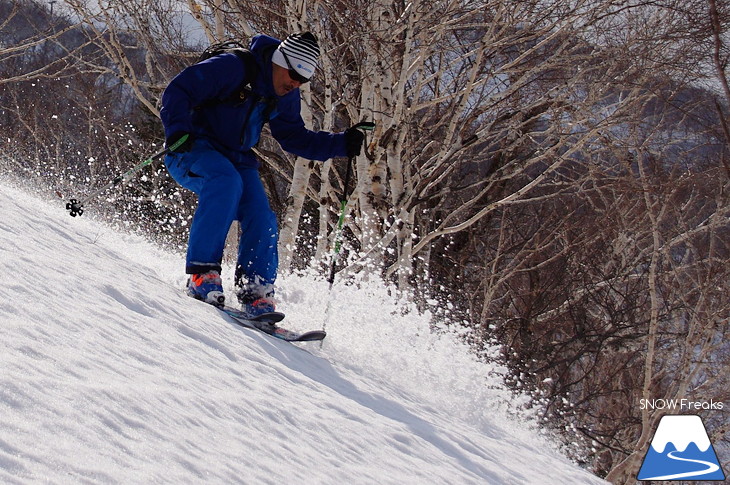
point(245, 90)
point(228, 46)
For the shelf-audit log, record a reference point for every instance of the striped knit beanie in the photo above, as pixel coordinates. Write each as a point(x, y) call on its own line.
point(302, 51)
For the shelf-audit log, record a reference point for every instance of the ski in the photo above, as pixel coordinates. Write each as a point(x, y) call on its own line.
point(266, 323)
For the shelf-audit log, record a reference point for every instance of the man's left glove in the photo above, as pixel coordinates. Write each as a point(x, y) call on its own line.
point(353, 141)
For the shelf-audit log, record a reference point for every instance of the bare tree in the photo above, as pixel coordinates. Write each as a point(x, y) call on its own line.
point(30, 45)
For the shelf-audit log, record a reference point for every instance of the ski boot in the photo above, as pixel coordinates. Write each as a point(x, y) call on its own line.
point(256, 300)
point(257, 308)
point(207, 287)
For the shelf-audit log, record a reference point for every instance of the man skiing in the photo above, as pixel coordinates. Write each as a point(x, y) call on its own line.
point(222, 122)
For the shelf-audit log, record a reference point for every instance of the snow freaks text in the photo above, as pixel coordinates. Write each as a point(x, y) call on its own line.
point(680, 404)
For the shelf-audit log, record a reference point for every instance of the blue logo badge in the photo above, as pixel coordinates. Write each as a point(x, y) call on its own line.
point(681, 450)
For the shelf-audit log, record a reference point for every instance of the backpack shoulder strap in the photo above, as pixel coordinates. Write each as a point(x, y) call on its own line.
point(251, 70)
point(245, 91)
point(249, 64)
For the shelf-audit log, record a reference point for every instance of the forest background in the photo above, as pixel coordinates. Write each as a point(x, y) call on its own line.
point(552, 175)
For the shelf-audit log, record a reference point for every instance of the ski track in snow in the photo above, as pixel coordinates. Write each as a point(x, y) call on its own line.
point(109, 374)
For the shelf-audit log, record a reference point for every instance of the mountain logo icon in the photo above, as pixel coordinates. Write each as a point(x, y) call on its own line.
point(681, 450)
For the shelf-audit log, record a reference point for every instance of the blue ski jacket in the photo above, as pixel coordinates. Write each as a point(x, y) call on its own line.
point(197, 101)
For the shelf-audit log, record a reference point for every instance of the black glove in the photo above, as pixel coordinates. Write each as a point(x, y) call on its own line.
point(353, 141)
point(175, 137)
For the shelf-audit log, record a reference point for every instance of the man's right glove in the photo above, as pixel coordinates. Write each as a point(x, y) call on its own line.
point(183, 147)
point(353, 141)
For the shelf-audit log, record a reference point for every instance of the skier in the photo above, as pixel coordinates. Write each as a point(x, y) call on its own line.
point(216, 162)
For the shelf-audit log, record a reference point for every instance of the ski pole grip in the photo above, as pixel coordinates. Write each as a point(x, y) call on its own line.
point(181, 141)
point(365, 125)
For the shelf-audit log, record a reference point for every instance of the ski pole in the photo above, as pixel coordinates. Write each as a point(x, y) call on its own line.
point(75, 207)
point(365, 125)
point(340, 224)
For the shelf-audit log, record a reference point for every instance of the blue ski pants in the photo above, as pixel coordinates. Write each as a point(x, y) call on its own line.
point(227, 192)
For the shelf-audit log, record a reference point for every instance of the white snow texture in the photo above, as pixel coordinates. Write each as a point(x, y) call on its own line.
point(110, 374)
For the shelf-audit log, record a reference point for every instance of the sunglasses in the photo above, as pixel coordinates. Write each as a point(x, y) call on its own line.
point(293, 74)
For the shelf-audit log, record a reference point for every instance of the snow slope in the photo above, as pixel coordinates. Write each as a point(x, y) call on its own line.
point(109, 374)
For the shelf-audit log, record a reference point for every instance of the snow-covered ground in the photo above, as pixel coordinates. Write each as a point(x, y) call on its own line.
point(109, 374)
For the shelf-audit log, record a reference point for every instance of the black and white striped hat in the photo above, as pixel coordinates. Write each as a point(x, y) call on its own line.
point(302, 50)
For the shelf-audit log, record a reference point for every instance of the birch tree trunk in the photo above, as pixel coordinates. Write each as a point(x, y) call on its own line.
point(297, 17)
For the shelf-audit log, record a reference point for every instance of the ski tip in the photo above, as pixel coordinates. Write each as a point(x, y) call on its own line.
point(312, 336)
